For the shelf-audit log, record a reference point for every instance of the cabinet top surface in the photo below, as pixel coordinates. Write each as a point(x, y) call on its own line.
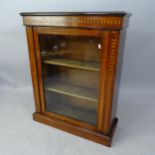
point(109, 13)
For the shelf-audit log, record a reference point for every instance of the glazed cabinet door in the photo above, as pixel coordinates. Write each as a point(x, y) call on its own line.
point(69, 71)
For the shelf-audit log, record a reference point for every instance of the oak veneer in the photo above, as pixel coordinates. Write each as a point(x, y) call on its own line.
point(74, 59)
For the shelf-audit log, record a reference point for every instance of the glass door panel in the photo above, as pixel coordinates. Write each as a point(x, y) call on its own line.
point(70, 67)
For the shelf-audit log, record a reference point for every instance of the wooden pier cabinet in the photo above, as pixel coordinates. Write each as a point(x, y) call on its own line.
point(75, 62)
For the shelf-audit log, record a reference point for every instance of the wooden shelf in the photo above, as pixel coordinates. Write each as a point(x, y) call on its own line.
point(85, 65)
point(72, 90)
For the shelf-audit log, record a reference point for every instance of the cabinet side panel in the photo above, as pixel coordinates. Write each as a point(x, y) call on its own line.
point(110, 79)
point(32, 57)
point(118, 72)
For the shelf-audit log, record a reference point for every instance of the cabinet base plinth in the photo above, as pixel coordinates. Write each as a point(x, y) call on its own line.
point(79, 131)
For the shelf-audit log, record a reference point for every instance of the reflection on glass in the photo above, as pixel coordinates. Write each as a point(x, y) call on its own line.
point(70, 67)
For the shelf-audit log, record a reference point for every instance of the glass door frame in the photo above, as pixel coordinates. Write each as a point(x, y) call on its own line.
point(77, 32)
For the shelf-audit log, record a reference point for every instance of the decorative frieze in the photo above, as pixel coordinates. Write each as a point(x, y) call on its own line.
point(74, 21)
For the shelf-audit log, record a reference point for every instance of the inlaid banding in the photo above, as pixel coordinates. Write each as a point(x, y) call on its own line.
point(74, 21)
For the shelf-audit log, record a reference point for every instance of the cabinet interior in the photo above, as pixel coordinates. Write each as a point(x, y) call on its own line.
point(70, 68)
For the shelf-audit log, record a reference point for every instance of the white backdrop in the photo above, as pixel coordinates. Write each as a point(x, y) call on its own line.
point(139, 64)
point(136, 127)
